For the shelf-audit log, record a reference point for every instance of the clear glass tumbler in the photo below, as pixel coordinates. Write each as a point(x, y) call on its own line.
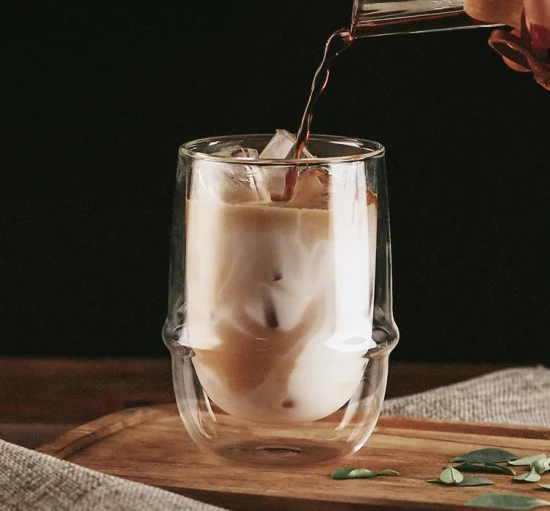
point(280, 318)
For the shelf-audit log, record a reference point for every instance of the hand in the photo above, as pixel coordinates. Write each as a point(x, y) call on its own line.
point(527, 47)
point(537, 18)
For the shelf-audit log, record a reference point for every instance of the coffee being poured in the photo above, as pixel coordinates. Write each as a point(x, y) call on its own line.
point(371, 19)
point(281, 296)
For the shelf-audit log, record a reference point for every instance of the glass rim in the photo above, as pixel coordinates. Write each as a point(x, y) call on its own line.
point(374, 149)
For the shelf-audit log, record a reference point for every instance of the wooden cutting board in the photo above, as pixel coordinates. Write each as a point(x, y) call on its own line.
point(150, 445)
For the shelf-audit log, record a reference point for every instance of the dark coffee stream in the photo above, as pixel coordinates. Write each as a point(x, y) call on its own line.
point(336, 44)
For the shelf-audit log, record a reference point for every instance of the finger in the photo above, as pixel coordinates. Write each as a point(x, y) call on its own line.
point(510, 47)
point(537, 18)
point(516, 67)
point(507, 12)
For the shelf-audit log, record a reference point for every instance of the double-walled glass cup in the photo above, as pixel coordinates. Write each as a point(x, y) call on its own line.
point(280, 316)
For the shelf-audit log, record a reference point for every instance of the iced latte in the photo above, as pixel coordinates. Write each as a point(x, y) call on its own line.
point(279, 293)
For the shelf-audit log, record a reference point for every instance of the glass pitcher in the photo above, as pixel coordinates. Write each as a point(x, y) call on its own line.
point(372, 18)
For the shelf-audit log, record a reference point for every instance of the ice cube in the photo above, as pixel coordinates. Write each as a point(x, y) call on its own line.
point(312, 187)
point(278, 148)
point(243, 183)
point(237, 151)
point(230, 183)
point(311, 190)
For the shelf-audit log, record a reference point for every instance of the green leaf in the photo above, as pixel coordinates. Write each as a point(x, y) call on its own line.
point(488, 455)
point(528, 477)
point(545, 486)
point(467, 481)
point(485, 468)
point(387, 472)
point(507, 501)
point(474, 481)
point(361, 473)
point(341, 473)
point(527, 461)
point(450, 476)
point(541, 466)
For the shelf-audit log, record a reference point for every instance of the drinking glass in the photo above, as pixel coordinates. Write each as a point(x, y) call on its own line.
point(280, 320)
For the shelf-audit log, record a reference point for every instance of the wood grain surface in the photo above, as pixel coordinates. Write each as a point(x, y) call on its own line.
point(150, 445)
point(42, 398)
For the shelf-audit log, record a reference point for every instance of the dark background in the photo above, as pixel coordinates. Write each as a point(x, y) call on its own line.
point(97, 96)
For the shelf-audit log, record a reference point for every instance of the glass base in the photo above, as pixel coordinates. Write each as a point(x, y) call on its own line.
point(278, 451)
point(242, 441)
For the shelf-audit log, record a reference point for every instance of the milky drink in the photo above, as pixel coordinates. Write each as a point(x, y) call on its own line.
point(280, 293)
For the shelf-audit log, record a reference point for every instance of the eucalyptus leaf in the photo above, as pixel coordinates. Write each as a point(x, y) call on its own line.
point(341, 473)
point(474, 481)
point(485, 468)
point(467, 481)
point(387, 472)
point(487, 455)
point(361, 473)
point(528, 477)
point(541, 466)
point(450, 476)
point(545, 486)
point(507, 501)
point(527, 461)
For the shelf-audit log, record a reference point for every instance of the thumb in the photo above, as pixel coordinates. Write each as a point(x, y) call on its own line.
point(507, 12)
point(537, 18)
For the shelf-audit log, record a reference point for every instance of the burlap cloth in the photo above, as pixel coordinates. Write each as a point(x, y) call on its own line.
point(512, 396)
point(33, 481)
